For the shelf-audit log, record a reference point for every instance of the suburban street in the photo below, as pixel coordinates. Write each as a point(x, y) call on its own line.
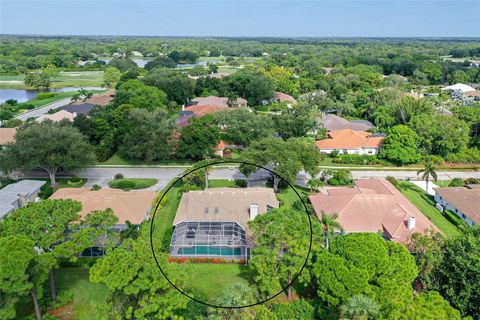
point(40, 111)
point(102, 176)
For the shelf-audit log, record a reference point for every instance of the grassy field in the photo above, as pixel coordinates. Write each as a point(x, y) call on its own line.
point(59, 96)
point(120, 160)
point(85, 293)
point(64, 79)
point(136, 183)
point(426, 205)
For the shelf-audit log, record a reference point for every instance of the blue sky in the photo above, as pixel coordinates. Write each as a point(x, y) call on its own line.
point(355, 18)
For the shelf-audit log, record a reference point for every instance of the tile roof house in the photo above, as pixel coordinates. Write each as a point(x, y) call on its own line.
point(464, 202)
point(101, 99)
point(57, 116)
point(373, 205)
point(79, 108)
point(351, 142)
point(201, 110)
point(214, 222)
point(283, 97)
point(18, 195)
point(133, 206)
point(7, 135)
point(332, 122)
point(220, 101)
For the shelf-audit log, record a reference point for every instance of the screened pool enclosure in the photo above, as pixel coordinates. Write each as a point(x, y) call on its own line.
point(208, 240)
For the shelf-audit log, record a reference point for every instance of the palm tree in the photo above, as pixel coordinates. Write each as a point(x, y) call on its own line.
point(359, 307)
point(427, 172)
point(329, 225)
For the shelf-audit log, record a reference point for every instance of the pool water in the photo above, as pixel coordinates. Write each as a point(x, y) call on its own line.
point(206, 250)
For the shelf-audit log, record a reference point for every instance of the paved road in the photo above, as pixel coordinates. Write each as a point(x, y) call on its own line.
point(101, 176)
point(40, 111)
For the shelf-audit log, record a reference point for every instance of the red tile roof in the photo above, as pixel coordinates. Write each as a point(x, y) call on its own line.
point(466, 200)
point(374, 205)
point(221, 145)
point(201, 110)
point(7, 135)
point(280, 96)
point(349, 139)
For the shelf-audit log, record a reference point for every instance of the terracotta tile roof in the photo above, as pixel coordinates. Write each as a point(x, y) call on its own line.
point(221, 145)
point(473, 94)
point(349, 139)
point(201, 110)
point(132, 206)
point(465, 200)
point(280, 96)
point(102, 99)
point(224, 204)
point(332, 122)
point(57, 116)
point(222, 101)
point(373, 205)
point(7, 135)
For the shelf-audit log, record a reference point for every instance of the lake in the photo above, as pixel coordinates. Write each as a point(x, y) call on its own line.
point(22, 95)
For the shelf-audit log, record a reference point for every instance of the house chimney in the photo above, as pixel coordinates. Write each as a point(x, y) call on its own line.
point(253, 210)
point(411, 223)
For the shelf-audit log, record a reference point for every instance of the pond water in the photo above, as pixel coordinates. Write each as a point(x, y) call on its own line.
point(22, 95)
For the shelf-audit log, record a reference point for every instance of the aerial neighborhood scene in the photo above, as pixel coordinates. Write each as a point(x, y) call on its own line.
point(223, 160)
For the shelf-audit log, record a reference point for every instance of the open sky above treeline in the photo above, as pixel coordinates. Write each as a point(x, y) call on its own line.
point(356, 18)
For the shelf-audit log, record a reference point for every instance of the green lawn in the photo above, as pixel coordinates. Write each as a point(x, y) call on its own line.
point(164, 216)
point(426, 205)
point(120, 160)
point(63, 183)
point(136, 183)
point(221, 184)
point(208, 59)
point(58, 96)
point(288, 197)
point(85, 293)
point(443, 183)
point(64, 79)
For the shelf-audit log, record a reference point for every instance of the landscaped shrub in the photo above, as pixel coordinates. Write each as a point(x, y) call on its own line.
point(118, 176)
point(28, 106)
point(341, 177)
point(456, 182)
point(241, 183)
point(95, 187)
point(392, 180)
point(334, 153)
point(262, 108)
point(359, 159)
point(45, 95)
point(45, 191)
point(75, 180)
point(472, 181)
point(63, 298)
point(433, 159)
point(124, 185)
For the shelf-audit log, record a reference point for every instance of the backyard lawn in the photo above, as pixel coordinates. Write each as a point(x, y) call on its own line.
point(132, 183)
point(85, 293)
point(426, 205)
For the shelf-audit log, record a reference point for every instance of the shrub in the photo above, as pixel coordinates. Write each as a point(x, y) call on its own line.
point(124, 185)
point(63, 298)
point(334, 153)
point(433, 159)
point(340, 178)
point(28, 106)
point(241, 183)
point(359, 159)
point(263, 108)
point(471, 156)
point(45, 95)
point(118, 176)
point(392, 180)
point(456, 182)
point(472, 181)
point(45, 191)
point(75, 179)
point(95, 187)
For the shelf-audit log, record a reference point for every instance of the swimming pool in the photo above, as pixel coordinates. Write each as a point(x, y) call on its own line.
point(210, 251)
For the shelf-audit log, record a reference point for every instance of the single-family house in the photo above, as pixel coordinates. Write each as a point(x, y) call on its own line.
point(221, 101)
point(7, 135)
point(201, 110)
point(79, 108)
point(463, 201)
point(283, 97)
point(57, 116)
point(132, 206)
point(373, 205)
point(333, 122)
point(220, 148)
point(464, 88)
point(18, 195)
point(348, 141)
point(213, 223)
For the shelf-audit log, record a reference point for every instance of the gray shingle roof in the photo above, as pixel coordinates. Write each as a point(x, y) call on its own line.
point(23, 187)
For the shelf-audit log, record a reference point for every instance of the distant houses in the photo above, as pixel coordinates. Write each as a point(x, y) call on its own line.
point(18, 195)
point(220, 101)
point(373, 205)
point(348, 141)
point(463, 201)
point(333, 122)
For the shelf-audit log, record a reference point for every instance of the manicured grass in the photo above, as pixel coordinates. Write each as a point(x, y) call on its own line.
point(120, 160)
point(85, 293)
point(443, 183)
point(426, 205)
point(288, 197)
point(63, 183)
point(208, 59)
point(221, 184)
point(211, 280)
point(137, 183)
point(57, 97)
point(164, 217)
